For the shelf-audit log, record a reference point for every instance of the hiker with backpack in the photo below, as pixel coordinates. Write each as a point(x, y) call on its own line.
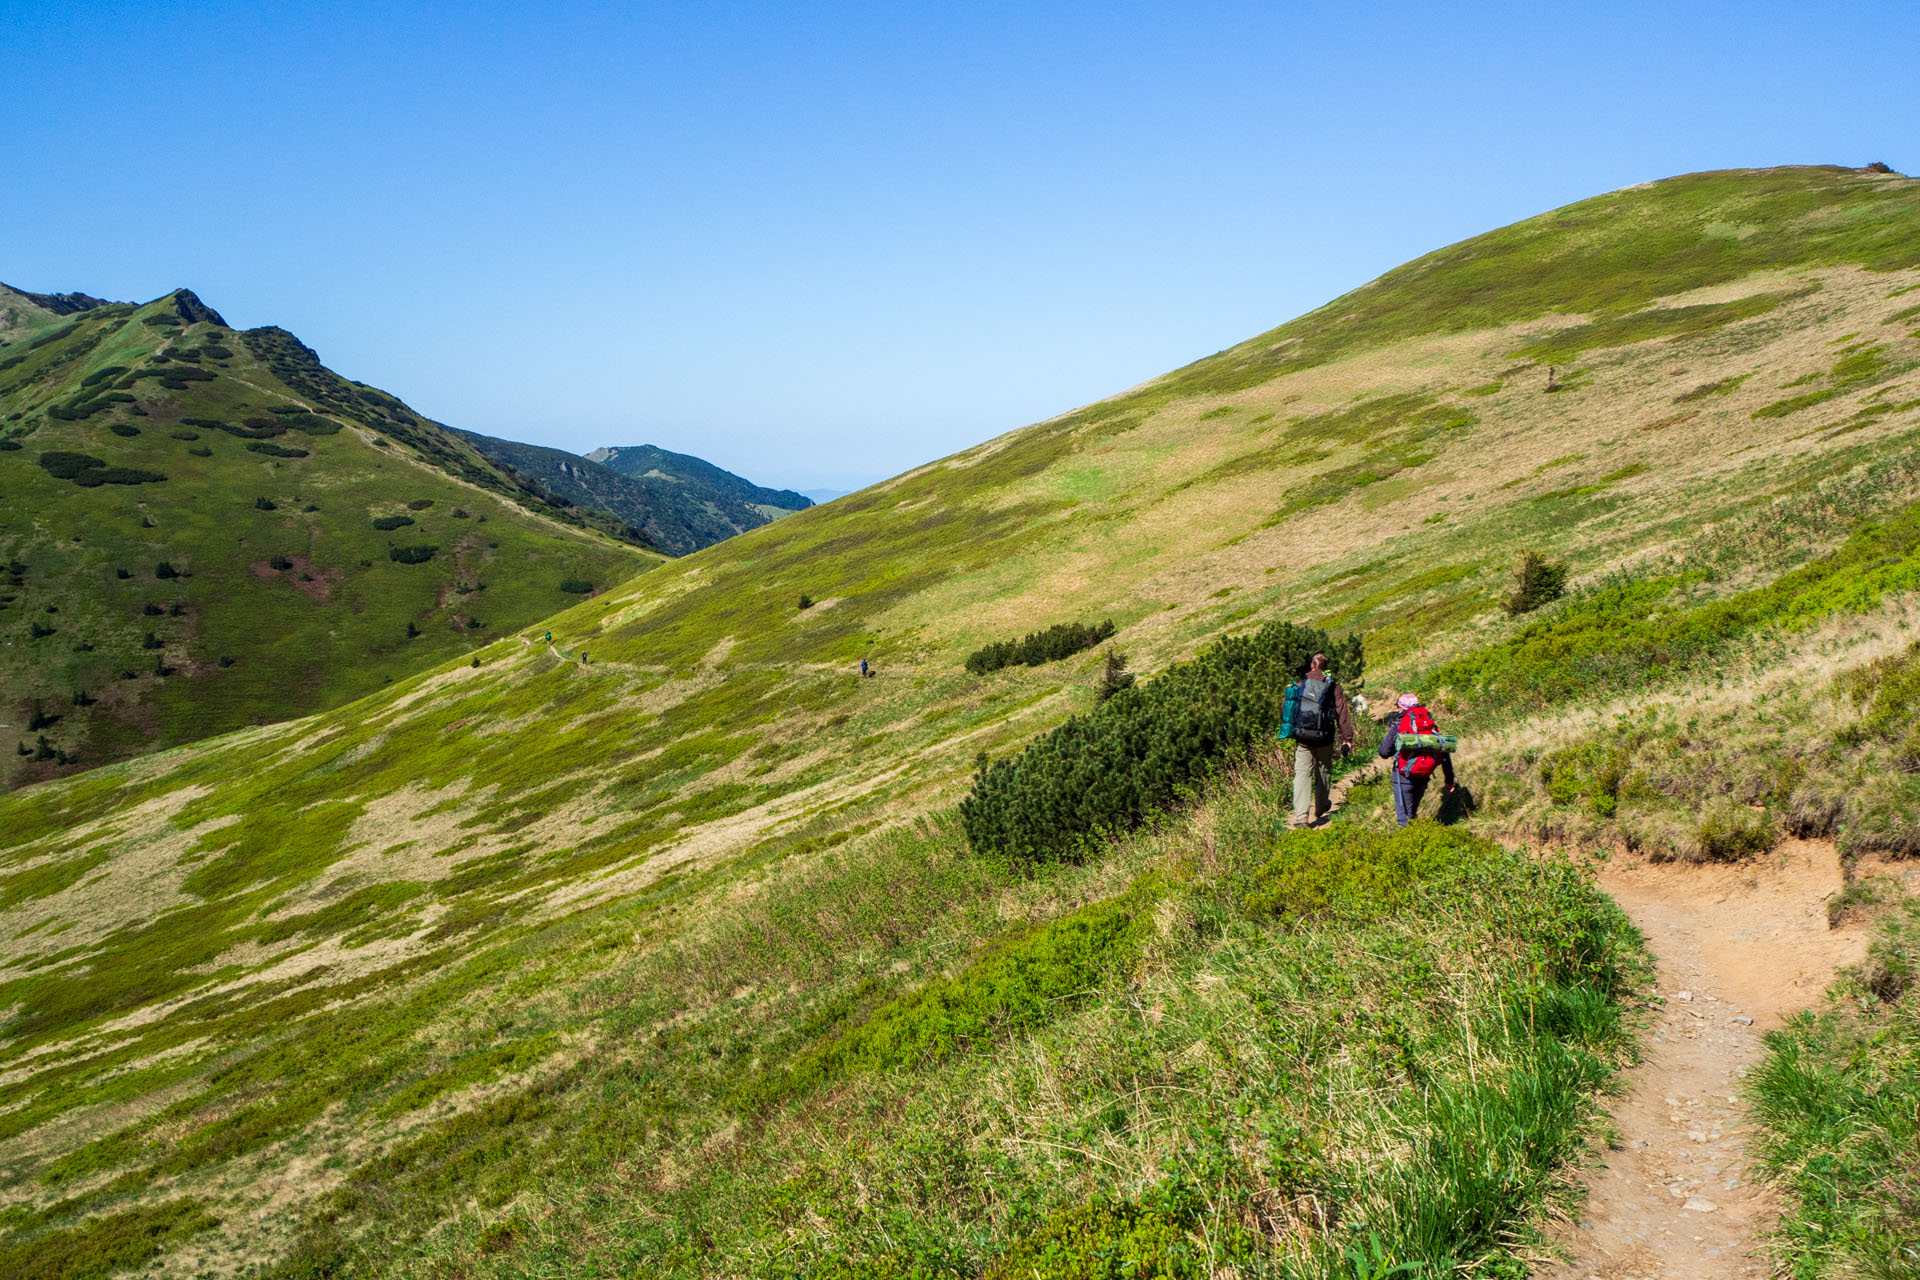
point(1416, 746)
point(1317, 717)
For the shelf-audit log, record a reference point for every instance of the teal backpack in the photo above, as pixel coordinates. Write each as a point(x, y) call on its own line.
point(1289, 711)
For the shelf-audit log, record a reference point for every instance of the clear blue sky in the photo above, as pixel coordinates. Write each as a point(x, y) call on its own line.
point(819, 244)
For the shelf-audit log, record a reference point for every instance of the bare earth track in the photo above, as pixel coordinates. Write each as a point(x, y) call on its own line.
point(1737, 949)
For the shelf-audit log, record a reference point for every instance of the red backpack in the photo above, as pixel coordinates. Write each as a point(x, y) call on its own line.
point(1417, 720)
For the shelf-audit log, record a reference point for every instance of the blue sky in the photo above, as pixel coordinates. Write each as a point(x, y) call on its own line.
point(819, 244)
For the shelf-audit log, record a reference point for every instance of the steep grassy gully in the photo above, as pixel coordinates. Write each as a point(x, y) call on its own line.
point(500, 970)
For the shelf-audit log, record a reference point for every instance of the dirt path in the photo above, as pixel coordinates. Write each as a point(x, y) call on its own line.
point(1737, 949)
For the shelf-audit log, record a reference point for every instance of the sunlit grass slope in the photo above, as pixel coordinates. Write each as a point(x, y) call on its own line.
point(202, 529)
point(432, 979)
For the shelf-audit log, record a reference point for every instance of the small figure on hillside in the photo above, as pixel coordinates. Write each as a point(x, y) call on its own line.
point(549, 637)
point(583, 657)
point(863, 668)
point(1416, 746)
point(1324, 720)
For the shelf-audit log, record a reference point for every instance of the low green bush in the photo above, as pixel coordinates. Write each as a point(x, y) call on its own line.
point(274, 450)
point(66, 466)
point(1152, 1239)
point(1728, 831)
point(1355, 874)
point(1056, 642)
point(577, 587)
point(387, 524)
point(90, 472)
point(1537, 581)
point(1021, 981)
point(411, 555)
point(1108, 769)
point(106, 1246)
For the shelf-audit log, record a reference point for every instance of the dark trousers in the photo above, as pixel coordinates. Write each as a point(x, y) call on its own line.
point(1407, 791)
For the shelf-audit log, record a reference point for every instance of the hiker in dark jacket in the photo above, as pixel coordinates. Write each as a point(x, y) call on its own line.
point(1412, 770)
point(1325, 719)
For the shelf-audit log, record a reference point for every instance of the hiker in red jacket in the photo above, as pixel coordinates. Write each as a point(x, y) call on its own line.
point(1412, 770)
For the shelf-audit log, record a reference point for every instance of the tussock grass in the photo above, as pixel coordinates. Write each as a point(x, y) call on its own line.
point(1838, 1101)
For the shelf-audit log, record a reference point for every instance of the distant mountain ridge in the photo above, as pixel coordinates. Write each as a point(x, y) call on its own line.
point(652, 460)
point(679, 503)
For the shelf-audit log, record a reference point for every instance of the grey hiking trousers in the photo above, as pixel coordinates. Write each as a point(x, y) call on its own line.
point(1312, 771)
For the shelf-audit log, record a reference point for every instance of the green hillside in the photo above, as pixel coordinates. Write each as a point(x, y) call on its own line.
point(659, 950)
point(204, 529)
point(677, 503)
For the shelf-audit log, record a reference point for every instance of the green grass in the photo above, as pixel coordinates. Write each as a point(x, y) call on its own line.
point(1641, 630)
point(1838, 1101)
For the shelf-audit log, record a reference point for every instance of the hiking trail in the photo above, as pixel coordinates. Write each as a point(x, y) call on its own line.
point(1737, 948)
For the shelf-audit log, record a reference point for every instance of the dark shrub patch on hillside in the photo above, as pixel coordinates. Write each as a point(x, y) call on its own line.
point(280, 562)
point(265, 504)
point(165, 570)
point(411, 555)
point(274, 450)
point(99, 376)
point(66, 466)
point(1056, 642)
point(1109, 769)
point(186, 435)
point(420, 504)
point(577, 587)
point(90, 472)
point(77, 410)
point(124, 430)
point(1537, 580)
point(387, 524)
point(201, 451)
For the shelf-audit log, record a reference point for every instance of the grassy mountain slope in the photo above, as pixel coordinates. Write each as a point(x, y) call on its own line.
point(204, 529)
point(679, 503)
point(498, 970)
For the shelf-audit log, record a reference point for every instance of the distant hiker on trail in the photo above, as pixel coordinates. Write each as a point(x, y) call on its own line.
point(1323, 720)
point(1414, 758)
point(863, 667)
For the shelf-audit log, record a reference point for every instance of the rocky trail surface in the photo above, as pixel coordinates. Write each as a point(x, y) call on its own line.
point(1737, 949)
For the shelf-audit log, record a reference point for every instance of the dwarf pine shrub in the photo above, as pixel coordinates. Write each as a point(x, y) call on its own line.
point(1107, 770)
point(1037, 647)
point(1537, 580)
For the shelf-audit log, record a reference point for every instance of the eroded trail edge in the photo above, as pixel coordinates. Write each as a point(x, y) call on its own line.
point(1737, 949)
